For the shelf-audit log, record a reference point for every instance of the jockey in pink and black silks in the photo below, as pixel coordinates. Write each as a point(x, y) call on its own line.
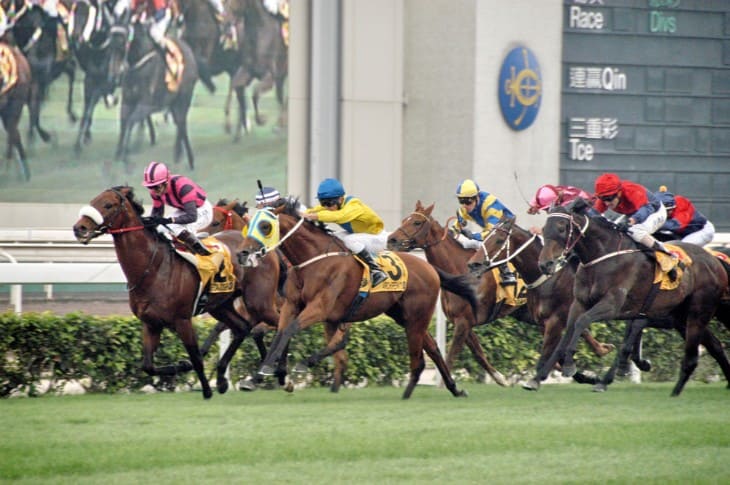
point(191, 209)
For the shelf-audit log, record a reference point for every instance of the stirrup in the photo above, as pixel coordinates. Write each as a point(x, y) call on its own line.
point(377, 277)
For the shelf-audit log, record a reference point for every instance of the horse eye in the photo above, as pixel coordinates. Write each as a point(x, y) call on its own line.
point(108, 205)
point(216, 223)
point(418, 223)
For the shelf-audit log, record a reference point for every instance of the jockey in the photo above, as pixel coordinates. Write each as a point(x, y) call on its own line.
point(484, 210)
point(158, 10)
point(55, 20)
point(269, 196)
point(192, 211)
point(362, 233)
point(4, 24)
point(549, 196)
point(646, 213)
point(684, 221)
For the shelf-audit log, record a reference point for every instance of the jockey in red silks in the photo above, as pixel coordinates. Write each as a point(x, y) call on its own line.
point(158, 10)
point(684, 221)
point(646, 213)
point(192, 210)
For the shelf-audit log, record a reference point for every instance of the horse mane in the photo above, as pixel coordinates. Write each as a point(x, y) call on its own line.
point(129, 194)
point(290, 207)
point(238, 208)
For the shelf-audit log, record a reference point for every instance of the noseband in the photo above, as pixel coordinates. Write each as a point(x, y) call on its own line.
point(228, 214)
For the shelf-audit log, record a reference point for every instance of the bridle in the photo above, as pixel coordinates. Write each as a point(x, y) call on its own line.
point(228, 217)
point(505, 247)
point(410, 241)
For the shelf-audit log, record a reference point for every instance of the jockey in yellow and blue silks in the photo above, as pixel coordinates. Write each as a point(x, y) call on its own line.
point(484, 210)
point(362, 229)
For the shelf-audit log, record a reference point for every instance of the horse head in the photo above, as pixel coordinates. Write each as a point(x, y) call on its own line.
point(120, 36)
point(564, 228)
point(495, 248)
point(414, 230)
point(226, 216)
point(110, 211)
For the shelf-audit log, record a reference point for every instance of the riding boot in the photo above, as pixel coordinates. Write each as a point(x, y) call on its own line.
point(193, 243)
point(377, 275)
point(507, 275)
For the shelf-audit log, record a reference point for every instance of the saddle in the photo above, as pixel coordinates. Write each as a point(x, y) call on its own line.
point(392, 264)
point(669, 270)
point(175, 65)
point(512, 295)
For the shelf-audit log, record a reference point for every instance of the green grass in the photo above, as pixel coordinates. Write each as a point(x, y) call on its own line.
point(562, 434)
point(222, 167)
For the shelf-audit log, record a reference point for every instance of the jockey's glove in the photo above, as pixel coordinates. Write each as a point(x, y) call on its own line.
point(155, 220)
point(623, 225)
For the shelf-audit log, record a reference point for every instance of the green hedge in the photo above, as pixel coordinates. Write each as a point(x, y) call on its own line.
point(104, 354)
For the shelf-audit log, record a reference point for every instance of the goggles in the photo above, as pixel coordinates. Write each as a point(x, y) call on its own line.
point(329, 202)
point(466, 200)
point(608, 198)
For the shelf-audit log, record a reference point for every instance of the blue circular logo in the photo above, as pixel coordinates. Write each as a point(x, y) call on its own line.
point(520, 88)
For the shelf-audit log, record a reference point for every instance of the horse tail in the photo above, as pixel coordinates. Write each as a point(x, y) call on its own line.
point(723, 309)
point(461, 285)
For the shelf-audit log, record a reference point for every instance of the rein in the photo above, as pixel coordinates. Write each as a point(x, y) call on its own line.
point(506, 244)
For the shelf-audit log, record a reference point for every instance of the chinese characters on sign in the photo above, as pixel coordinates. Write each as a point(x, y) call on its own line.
point(580, 130)
point(606, 78)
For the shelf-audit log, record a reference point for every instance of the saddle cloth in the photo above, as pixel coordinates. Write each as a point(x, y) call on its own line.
point(8, 69)
point(665, 263)
point(513, 295)
point(393, 266)
point(175, 65)
point(216, 269)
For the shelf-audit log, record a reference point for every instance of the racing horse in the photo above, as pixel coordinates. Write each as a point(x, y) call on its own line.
point(15, 82)
point(264, 56)
point(35, 33)
point(614, 282)
point(163, 287)
point(421, 230)
point(150, 83)
point(89, 32)
point(324, 282)
point(229, 215)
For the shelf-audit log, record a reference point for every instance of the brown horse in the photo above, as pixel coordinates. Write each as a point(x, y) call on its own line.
point(614, 282)
point(163, 287)
point(229, 216)
point(548, 298)
point(323, 286)
point(15, 85)
point(264, 56)
point(421, 230)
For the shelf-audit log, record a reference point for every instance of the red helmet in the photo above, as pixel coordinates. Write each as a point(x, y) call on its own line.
point(607, 184)
point(155, 174)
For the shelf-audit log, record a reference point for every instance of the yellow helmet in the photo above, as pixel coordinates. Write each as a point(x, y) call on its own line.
point(467, 188)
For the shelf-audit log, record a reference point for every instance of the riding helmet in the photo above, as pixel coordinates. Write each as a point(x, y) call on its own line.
point(155, 174)
point(467, 188)
point(330, 189)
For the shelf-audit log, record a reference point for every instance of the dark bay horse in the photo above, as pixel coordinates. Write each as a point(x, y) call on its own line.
point(421, 230)
point(264, 56)
point(89, 32)
point(548, 297)
point(614, 281)
point(323, 284)
point(139, 66)
point(14, 94)
point(229, 216)
point(35, 33)
point(163, 287)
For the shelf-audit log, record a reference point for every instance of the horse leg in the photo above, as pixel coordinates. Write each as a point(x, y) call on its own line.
point(227, 109)
point(179, 116)
point(212, 337)
point(631, 346)
point(550, 340)
point(281, 339)
point(10, 120)
point(70, 70)
point(695, 329)
point(261, 87)
point(186, 333)
point(242, 125)
point(462, 328)
point(715, 349)
point(599, 348)
point(91, 97)
point(152, 132)
point(429, 345)
point(472, 341)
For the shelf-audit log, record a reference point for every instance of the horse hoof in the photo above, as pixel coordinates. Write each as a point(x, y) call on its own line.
point(462, 393)
point(569, 370)
point(184, 366)
point(644, 365)
point(599, 388)
point(531, 385)
point(500, 380)
point(289, 387)
point(207, 393)
point(247, 385)
point(301, 368)
point(266, 370)
point(222, 386)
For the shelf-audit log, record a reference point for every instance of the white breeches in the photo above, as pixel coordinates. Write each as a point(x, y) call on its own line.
point(642, 232)
point(701, 237)
point(358, 241)
point(205, 217)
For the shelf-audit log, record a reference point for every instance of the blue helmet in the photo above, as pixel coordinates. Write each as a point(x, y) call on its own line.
point(330, 189)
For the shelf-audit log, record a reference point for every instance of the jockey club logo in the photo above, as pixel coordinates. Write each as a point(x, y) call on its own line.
point(520, 88)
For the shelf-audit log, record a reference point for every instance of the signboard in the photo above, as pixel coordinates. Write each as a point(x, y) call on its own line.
point(646, 94)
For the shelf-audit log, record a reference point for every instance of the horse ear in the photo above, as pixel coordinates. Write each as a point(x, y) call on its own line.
point(578, 205)
point(429, 209)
